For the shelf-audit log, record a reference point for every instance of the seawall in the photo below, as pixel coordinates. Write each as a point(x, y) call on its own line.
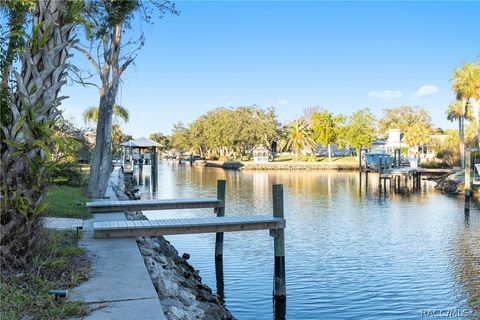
point(288, 165)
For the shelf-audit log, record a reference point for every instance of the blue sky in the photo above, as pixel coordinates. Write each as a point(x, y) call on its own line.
point(339, 55)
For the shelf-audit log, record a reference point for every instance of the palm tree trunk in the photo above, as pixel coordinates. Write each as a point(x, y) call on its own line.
point(33, 110)
point(461, 131)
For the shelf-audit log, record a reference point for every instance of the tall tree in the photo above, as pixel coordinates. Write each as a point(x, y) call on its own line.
point(326, 127)
point(162, 139)
point(464, 85)
point(456, 111)
point(402, 118)
point(108, 21)
point(360, 131)
point(180, 138)
point(27, 131)
point(300, 137)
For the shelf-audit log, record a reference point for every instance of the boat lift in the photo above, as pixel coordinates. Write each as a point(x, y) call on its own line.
point(475, 160)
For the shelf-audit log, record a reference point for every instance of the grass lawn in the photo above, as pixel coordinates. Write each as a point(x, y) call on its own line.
point(58, 264)
point(67, 202)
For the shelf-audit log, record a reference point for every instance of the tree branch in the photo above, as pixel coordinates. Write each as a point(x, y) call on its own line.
point(89, 57)
point(125, 65)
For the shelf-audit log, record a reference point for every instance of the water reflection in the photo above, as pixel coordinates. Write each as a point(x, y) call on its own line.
point(219, 278)
point(466, 265)
point(351, 251)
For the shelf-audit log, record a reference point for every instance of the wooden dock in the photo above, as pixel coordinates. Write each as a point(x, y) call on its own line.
point(119, 229)
point(161, 204)
point(219, 224)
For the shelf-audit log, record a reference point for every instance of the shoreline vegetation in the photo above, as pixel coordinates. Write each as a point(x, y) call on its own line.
point(452, 184)
point(58, 264)
point(290, 165)
point(179, 286)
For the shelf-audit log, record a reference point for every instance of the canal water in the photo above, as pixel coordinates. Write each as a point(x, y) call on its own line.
point(351, 251)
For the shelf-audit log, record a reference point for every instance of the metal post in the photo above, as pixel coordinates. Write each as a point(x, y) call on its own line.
point(220, 213)
point(467, 190)
point(279, 289)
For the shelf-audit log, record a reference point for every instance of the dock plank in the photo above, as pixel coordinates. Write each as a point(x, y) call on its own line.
point(186, 226)
point(160, 204)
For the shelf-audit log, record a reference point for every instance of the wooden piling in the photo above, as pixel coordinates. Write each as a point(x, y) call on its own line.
point(154, 168)
point(220, 213)
point(380, 173)
point(360, 161)
point(279, 289)
point(467, 186)
point(397, 158)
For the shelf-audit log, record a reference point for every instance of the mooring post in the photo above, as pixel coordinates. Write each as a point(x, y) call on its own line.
point(380, 173)
point(220, 213)
point(154, 169)
point(140, 173)
point(279, 289)
point(467, 190)
point(360, 161)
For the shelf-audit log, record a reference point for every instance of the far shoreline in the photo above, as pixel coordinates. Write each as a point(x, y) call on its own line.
point(287, 165)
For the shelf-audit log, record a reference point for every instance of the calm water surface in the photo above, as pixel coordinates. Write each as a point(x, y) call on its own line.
point(351, 253)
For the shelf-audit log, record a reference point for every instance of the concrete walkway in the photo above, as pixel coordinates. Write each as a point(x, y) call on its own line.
point(62, 223)
point(120, 286)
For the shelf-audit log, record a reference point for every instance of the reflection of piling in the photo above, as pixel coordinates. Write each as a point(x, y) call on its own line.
point(220, 213)
point(279, 290)
point(279, 308)
point(219, 278)
point(467, 186)
point(140, 173)
point(360, 161)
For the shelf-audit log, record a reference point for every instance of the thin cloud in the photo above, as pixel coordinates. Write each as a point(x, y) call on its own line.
point(282, 102)
point(385, 94)
point(426, 90)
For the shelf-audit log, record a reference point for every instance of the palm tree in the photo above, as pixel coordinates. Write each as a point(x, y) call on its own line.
point(456, 111)
point(119, 113)
point(299, 137)
point(418, 135)
point(33, 109)
point(466, 85)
